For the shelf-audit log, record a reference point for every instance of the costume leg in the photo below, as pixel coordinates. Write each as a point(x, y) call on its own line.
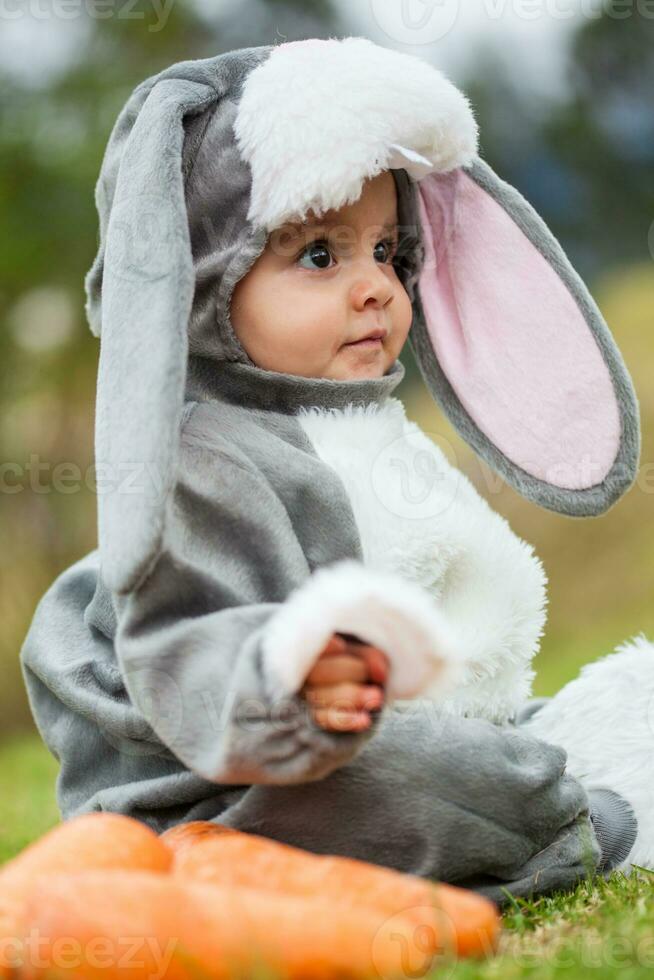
point(459, 800)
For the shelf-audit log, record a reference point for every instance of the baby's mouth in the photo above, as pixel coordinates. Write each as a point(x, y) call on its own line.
point(367, 343)
point(374, 339)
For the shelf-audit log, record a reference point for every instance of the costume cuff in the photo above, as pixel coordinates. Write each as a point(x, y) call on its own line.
point(381, 609)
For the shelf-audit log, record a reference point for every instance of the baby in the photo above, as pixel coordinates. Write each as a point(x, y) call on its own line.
point(308, 307)
point(265, 603)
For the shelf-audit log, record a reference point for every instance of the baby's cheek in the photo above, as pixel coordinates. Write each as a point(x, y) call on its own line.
point(317, 333)
point(404, 309)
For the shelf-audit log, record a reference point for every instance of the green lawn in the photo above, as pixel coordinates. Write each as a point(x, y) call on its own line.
point(604, 929)
point(27, 803)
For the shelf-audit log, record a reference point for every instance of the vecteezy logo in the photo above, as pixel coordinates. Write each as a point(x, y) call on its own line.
point(155, 724)
point(140, 239)
point(415, 21)
point(411, 476)
point(415, 943)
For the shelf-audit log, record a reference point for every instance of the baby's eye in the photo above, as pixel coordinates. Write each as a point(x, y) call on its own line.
point(388, 246)
point(319, 252)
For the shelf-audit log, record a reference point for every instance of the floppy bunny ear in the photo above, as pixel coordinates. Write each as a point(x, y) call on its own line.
point(144, 276)
point(515, 351)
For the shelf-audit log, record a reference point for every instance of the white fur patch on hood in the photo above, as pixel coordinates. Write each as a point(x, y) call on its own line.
point(319, 117)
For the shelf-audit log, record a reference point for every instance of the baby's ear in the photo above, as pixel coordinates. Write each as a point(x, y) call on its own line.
point(514, 349)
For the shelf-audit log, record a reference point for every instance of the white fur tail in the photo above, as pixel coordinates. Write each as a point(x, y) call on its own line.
point(605, 721)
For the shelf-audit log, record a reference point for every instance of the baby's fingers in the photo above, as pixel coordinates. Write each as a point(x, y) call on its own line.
point(376, 663)
point(375, 660)
point(341, 720)
point(331, 669)
point(346, 696)
point(344, 707)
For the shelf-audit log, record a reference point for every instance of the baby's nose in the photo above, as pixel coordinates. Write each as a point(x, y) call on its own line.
point(372, 287)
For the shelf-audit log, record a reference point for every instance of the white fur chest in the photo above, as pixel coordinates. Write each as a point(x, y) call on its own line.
point(421, 518)
point(397, 481)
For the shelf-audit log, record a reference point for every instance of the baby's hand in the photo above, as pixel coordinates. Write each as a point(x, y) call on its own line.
point(336, 687)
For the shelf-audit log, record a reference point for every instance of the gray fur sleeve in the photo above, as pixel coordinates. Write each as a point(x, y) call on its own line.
point(189, 636)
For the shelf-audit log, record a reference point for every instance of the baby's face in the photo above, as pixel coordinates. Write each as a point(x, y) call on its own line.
point(318, 287)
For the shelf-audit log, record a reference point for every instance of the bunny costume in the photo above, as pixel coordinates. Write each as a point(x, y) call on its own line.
point(245, 515)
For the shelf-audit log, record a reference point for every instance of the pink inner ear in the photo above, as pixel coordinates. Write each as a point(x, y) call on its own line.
point(511, 339)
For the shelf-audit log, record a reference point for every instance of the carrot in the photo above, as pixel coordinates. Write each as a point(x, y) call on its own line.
point(183, 834)
point(91, 840)
point(130, 925)
point(454, 919)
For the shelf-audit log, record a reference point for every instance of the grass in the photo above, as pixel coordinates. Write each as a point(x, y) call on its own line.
point(27, 804)
point(602, 929)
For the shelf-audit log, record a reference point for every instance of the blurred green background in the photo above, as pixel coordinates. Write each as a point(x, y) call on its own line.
point(583, 156)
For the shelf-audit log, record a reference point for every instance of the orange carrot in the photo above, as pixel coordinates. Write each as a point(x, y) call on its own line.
point(454, 919)
point(129, 925)
point(183, 834)
point(90, 841)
